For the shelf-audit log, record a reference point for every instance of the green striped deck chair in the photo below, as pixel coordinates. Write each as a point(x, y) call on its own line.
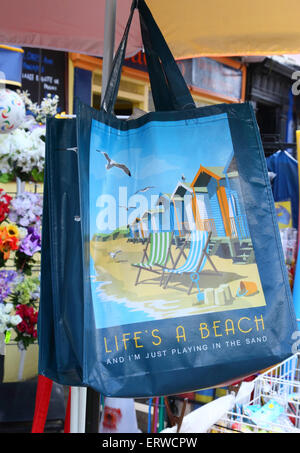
point(159, 254)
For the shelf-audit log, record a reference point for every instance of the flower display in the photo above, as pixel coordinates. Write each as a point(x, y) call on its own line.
point(26, 329)
point(4, 204)
point(26, 209)
point(31, 243)
point(22, 158)
point(26, 291)
point(7, 318)
point(8, 280)
point(24, 298)
point(12, 230)
point(8, 242)
point(22, 152)
point(49, 106)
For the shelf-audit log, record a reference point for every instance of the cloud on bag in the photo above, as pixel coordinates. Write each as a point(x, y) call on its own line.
point(150, 166)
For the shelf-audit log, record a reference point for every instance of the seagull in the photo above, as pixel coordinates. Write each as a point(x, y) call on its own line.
point(144, 189)
point(183, 178)
point(127, 207)
point(114, 254)
point(111, 163)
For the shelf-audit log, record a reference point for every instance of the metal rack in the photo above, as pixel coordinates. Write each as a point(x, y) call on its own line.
point(274, 405)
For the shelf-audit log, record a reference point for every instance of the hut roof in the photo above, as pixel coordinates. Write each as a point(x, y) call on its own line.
point(159, 209)
point(205, 174)
point(201, 189)
point(181, 189)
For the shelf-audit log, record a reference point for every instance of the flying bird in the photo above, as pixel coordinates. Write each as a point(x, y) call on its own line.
point(127, 207)
point(144, 189)
point(111, 163)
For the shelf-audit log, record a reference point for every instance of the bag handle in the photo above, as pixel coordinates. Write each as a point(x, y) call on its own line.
point(169, 88)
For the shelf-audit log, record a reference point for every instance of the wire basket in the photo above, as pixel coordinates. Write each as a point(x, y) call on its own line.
point(274, 405)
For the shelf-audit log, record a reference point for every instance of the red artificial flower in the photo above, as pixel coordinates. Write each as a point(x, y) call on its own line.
point(29, 320)
point(4, 204)
point(21, 326)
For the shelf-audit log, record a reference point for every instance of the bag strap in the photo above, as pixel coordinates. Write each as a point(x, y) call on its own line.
point(169, 88)
point(165, 76)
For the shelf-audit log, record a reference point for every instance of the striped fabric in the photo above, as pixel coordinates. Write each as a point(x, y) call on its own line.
point(198, 241)
point(159, 247)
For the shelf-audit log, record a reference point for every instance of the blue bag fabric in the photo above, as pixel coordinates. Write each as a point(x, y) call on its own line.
point(61, 308)
point(137, 322)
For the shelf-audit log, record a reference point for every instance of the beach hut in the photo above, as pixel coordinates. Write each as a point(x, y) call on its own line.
point(217, 205)
point(166, 212)
point(150, 221)
point(210, 203)
point(237, 213)
point(136, 230)
point(181, 210)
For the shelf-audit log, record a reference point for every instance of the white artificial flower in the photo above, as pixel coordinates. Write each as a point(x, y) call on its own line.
point(15, 320)
point(4, 318)
point(24, 147)
point(22, 232)
point(8, 308)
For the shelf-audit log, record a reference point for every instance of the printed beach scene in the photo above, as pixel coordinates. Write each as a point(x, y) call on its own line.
point(169, 235)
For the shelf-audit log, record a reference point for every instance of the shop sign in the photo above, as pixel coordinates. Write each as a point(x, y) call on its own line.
point(213, 76)
point(44, 73)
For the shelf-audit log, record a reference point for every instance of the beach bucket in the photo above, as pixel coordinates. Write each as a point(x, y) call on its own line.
point(246, 289)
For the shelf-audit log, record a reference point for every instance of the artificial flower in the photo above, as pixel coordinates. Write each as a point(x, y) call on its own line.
point(40, 112)
point(15, 320)
point(7, 243)
point(22, 232)
point(8, 279)
point(4, 204)
point(8, 320)
point(30, 245)
point(26, 292)
point(12, 230)
point(26, 209)
point(26, 329)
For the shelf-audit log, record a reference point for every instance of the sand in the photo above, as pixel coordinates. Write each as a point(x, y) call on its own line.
point(174, 301)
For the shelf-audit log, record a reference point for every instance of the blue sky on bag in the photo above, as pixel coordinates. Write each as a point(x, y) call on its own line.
point(157, 155)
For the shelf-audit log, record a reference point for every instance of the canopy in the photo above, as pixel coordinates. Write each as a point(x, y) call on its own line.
point(192, 28)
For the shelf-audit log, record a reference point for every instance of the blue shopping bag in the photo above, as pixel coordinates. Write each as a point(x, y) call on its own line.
point(172, 279)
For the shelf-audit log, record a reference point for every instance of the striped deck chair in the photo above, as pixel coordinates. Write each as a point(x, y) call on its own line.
point(196, 259)
point(159, 254)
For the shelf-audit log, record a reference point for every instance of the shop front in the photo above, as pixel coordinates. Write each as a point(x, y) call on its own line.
point(211, 81)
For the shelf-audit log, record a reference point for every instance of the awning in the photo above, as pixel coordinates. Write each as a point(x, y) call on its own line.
point(192, 28)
